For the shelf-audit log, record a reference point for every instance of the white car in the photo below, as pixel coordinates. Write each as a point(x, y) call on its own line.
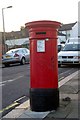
point(18, 55)
point(60, 47)
point(75, 39)
point(70, 54)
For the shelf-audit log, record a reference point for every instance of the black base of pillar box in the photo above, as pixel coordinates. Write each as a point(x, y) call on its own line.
point(44, 99)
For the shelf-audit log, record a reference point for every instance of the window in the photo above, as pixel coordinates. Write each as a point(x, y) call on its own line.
point(72, 47)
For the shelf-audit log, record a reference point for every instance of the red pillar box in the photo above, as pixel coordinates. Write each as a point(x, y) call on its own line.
point(44, 93)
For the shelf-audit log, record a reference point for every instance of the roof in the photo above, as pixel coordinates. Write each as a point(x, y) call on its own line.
point(13, 42)
point(65, 27)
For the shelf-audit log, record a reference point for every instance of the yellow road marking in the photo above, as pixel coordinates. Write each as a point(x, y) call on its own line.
point(12, 105)
point(61, 78)
point(8, 107)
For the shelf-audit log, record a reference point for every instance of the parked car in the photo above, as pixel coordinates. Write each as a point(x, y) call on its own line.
point(18, 55)
point(75, 39)
point(70, 54)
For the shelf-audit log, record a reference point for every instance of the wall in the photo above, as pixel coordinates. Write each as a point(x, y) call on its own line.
point(76, 30)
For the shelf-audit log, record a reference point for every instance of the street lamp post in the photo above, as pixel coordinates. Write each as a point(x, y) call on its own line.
point(4, 37)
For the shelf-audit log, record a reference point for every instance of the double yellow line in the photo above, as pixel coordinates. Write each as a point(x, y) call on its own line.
point(10, 106)
point(15, 103)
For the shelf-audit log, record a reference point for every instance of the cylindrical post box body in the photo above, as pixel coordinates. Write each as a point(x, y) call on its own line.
point(44, 93)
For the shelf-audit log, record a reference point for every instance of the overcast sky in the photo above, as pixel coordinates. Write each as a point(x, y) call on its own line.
point(23, 11)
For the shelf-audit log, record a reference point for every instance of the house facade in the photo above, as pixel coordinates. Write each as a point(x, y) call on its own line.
point(15, 38)
point(76, 30)
point(15, 43)
point(71, 30)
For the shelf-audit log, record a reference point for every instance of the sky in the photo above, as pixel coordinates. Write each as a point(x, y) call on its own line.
point(23, 11)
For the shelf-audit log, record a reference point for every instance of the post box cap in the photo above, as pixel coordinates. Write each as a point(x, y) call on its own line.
point(43, 23)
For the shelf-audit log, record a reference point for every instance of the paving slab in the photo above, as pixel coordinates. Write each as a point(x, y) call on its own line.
point(31, 114)
point(14, 113)
point(70, 87)
point(24, 116)
point(74, 112)
point(63, 110)
point(68, 109)
point(25, 105)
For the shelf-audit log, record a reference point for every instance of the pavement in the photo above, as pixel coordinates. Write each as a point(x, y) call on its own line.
point(69, 103)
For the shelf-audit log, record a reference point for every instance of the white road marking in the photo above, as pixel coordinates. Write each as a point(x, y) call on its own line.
point(11, 80)
point(14, 78)
point(2, 82)
point(19, 99)
point(2, 85)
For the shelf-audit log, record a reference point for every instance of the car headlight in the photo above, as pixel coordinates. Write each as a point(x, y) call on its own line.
point(76, 57)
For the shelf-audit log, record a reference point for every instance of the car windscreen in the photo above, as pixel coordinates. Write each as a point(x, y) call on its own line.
point(71, 47)
point(73, 39)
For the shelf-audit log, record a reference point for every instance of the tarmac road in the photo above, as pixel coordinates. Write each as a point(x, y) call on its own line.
point(16, 80)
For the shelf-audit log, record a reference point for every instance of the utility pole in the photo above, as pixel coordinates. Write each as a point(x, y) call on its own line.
point(3, 35)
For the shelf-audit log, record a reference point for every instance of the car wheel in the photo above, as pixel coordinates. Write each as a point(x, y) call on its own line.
point(23, 61)
point(59, 65)
point(6, 65)
point(28, 61)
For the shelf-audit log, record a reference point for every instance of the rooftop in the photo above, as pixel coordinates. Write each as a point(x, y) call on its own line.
point(65, 27)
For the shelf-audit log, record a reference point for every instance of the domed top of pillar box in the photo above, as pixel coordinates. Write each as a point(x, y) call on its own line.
point(43, 23)
point(42, 28)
